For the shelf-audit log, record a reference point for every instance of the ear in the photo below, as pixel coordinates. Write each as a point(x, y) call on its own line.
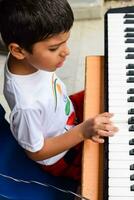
point(16, 51)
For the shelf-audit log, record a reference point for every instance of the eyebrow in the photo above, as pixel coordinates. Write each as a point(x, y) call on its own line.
point(58, 44)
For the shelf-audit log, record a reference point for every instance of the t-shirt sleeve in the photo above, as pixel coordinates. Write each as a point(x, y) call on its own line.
point(27, 129)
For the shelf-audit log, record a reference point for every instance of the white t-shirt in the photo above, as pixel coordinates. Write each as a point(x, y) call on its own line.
point(40, 108)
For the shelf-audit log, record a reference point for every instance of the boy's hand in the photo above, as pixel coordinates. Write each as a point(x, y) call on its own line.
point(99, 127)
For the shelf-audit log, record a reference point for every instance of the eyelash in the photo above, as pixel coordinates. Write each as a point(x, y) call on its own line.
point(53, 49)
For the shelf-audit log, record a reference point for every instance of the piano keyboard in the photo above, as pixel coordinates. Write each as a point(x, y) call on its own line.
point(120, 95)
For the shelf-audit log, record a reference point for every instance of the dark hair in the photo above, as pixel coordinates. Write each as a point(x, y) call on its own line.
point(26, 22)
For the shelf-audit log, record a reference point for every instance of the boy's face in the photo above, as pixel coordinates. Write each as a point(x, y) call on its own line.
point(49, 54)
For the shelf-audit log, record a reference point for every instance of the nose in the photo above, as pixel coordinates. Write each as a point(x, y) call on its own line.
point(65, 52)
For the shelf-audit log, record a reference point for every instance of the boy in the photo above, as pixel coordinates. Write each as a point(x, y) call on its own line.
point(42, 116)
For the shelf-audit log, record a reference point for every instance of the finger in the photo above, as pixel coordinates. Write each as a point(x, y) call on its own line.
point(97, 139)
point(108, 127)
point(115, 129)
point(107, 114)
point(104, 118)
point(104, 133)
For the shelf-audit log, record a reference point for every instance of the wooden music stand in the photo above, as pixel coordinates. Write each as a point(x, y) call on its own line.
point(92, 170)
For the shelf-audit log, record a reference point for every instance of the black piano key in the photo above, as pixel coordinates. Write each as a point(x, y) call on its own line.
point(132, 188)
point(130, 99)
point(131, 152)
point(130, 56)
point(131, 142)
point(130, 80)
point(130, 66)
point(129, 16)
point(129, 41)
point(129, 21)
point(132, 167)
point(131, 128)
point(129, 49)
point(129, 30)
point(129, 35)
point(130, 91)
point(130, 73)
point(131, 120)
point(132, 177)
point(131, 111)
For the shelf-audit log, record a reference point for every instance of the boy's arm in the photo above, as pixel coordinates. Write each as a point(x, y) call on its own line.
point(55, 145)
point(95, 129)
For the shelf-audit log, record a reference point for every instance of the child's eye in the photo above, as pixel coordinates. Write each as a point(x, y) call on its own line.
point(53, 49)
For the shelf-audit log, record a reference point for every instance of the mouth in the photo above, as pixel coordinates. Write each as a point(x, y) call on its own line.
point(60, 63)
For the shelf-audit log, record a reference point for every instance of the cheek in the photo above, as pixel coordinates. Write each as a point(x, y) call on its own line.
point(50, 57)
point(48, 60)
point(45, 58)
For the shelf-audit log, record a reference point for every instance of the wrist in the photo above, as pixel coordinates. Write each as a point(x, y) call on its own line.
point(80, 131)
point(87, 128)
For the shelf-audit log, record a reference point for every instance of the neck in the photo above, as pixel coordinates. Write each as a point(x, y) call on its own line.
point(19, 67)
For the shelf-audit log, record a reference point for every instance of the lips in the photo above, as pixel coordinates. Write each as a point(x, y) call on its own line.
point(60, 63)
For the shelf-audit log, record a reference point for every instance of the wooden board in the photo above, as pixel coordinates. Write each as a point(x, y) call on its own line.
point(92, 169)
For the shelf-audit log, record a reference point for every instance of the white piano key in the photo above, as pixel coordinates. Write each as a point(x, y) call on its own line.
point(118, 72)
point(117, 43)
point(122, 65)
point(121, 97)
point(120, 182)
point(120, 164)
point(118, 37)
point(120, 21)
point(121, 29)
point(113, 75)
point(117, 139)
point(121, 54)
point(119, 110)
point(122, 133)
point(123, 85)
point(123, 128)
point(121, 156)
point(121, 192)
point(119, 173)
point(126, 107)
point(118, 102)
point(114, 64)
point(116, 90)
point(114, 16)
point(119, 148)
point(120, 80)
point(119, 60)
point(113, 23)
point(119, 117)
point(121, 198)
point(121, 48)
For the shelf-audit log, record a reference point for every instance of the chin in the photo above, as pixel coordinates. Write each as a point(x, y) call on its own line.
point(51, 70)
